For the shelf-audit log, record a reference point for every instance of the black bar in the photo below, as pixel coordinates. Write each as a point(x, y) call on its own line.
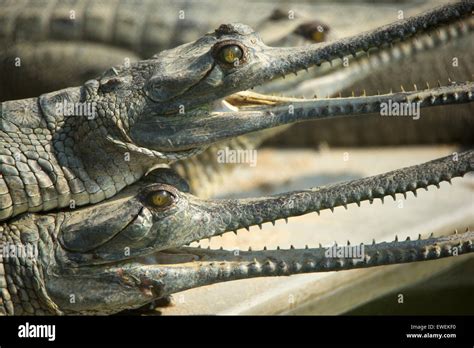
point(207, 330)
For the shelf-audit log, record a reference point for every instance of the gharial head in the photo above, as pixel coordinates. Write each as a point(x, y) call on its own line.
point(194, 95)
point(130, 250)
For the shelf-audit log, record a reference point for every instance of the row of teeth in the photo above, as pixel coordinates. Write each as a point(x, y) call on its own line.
point(443, 33)
point(396, 240)
point(217, 238)
point(332, 209)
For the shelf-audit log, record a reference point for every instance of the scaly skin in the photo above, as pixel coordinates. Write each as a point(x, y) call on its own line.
point(141, 26)
point(160, 110)
point(149, 97)
point(129, 251)
point(85, 37)
point(91, 52)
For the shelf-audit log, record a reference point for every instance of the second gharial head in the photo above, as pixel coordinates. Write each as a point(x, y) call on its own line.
point(130, 250)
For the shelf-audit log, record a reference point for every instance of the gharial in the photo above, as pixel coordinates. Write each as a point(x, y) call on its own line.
point(155, 112)
point(49, 44)
point(52, 44)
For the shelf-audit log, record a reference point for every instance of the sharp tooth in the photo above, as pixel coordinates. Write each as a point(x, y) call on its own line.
point(273, 223)
point(250, 248)
point(260, 226)
point(224, 106)
point(265, 248)
point(286, 220)
point(247, 228)
point(235, 232)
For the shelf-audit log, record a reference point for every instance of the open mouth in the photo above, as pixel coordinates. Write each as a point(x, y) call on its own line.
point(245, 112)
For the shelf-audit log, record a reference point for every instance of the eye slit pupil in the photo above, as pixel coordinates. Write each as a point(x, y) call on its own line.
point(231, 53)
point(161, 199)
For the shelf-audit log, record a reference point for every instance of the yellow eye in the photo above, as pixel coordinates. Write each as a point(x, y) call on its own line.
point(161, 199)
point(318, 36)
point(230, 54)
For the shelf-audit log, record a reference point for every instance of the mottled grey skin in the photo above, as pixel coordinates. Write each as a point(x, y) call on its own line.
point(160, 110)
point(82, 38)
point(129, 251)
point(69, 51)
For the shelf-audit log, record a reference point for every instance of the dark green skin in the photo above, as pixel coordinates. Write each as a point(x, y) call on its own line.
point(128, 251)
